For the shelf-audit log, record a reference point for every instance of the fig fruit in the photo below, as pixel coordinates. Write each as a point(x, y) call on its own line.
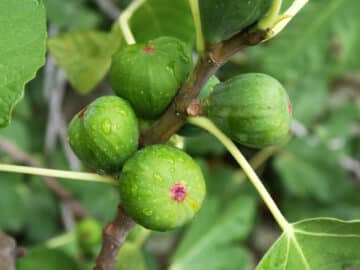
point(222, 19)
point(88, 234)
point(161, 187)
point(149, 75)
point(253, 109)
point(104, 134)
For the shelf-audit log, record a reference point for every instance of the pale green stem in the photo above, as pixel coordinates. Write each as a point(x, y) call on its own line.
point(61, 240)
point(248, 170)
point(89, 177)
point(286, 17)
point(271, 17)
point(124, 20)
point(200, 43)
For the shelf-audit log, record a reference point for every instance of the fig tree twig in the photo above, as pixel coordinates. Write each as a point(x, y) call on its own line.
point(7, 252)
point(114, 235)
point(170, 122)
point(214, 57)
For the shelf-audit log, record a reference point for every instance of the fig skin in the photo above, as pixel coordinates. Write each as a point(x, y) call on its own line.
point(161, 187)
point(104, 134)
point(88, 234)
point(253, 109)
point(222, 19)
point(149, 75)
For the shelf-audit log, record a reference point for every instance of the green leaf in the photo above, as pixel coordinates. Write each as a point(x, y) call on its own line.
point(213, 233)
point(71, 14)
point(85, 56)
point(296, 209)
point(17, 133)
point(308, 104)
point(312, 171)
point(130, 257)
point(204, 144)
point(157, 18)
point(322, 39)
point(22, 50)
point(316, 244)
point(340, 122)
point(99, 199)
point(46, 259)
point(41, 213)
point(13, 197)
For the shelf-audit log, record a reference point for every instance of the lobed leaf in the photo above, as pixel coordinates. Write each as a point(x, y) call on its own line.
point(22, 50)
point(85, 56)
point(315, 244)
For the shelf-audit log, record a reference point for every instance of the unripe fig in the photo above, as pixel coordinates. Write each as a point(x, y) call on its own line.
point(149, 75)
point(104, 134)
point(222, 19)
point(253, 109)
point(161, 187)
point(88, 234)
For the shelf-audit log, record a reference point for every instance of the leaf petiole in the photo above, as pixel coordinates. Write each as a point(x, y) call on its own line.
point(269, 20)
point(200, 43)
point(124, 20)
point(89, 177)
point(209, 126)
point(286, 17)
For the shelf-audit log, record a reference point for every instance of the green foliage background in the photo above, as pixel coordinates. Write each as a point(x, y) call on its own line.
point(316, 58)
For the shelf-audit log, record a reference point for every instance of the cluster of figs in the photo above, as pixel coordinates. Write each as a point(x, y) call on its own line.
point(162, 187)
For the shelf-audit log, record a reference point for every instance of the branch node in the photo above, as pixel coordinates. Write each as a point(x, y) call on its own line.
point(194, 108)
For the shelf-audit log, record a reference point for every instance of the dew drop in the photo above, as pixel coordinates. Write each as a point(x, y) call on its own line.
point(106, 126)
point(157, 177)
point(147, 212)
point(134, 189)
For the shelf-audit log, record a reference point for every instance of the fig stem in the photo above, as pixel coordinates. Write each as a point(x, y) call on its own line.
point(124, 21)
point(89, 177)
point(209, 126)
point(269, 20)
point(200, 43)
point(61, 240)
point(286, 17)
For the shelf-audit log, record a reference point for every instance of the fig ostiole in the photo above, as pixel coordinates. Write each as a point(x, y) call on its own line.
point(104, 134)
point(161, 187)
point(253, 109)
point(149, 75)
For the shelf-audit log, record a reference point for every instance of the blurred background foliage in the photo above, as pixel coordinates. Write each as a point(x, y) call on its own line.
point(316, 174)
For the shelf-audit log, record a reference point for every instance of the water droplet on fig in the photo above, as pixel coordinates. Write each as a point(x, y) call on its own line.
point(106, 126)
point(147, 212)
point(157, 177)
point(134, 189)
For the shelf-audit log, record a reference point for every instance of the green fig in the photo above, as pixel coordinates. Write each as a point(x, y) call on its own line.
point(149, 75)
point(253, 109)
point(161, 187)
point(104, 134)
point(222, 19)
point(88, 234)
